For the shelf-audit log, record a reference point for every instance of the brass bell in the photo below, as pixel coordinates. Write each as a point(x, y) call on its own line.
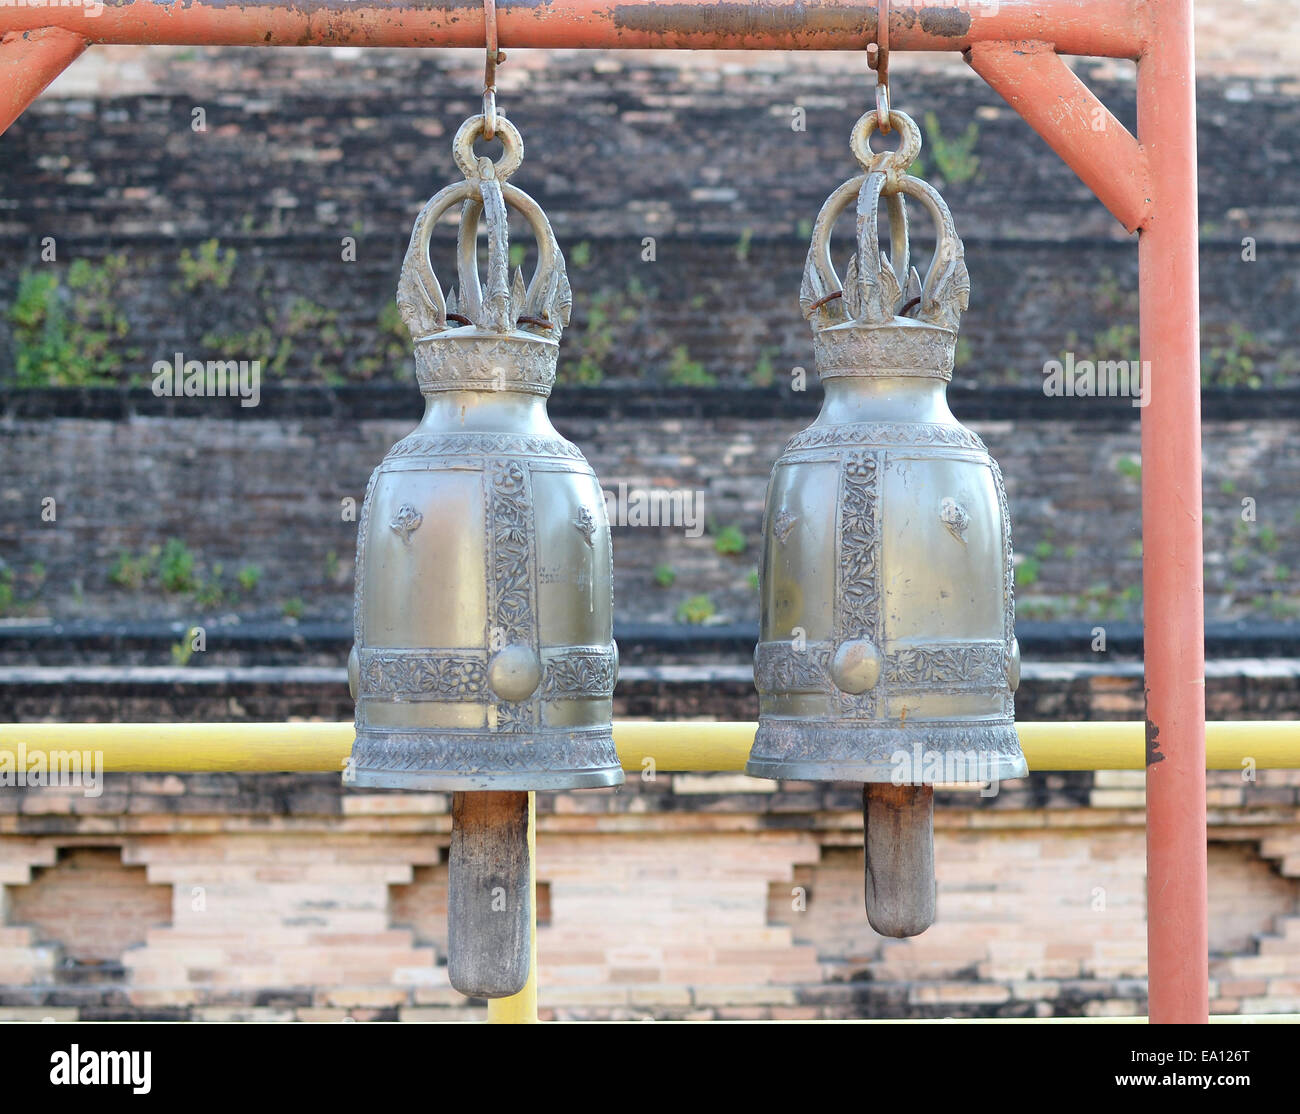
point(887, 652)
point(484, 659)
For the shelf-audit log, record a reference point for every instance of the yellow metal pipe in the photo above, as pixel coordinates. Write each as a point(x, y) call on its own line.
point(313, 747)
point(521, 1008)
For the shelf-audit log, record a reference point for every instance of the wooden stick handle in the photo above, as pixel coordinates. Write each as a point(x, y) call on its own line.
point(898, 823)
point(488, 899)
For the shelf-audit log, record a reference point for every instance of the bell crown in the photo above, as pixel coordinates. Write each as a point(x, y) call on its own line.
point(882, 319)
point(497, 332)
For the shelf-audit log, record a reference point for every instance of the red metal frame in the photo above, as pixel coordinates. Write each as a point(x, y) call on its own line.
point(1148, 183)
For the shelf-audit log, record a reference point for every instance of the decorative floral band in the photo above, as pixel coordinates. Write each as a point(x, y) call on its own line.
point(883, 350)
point(791, 667)
point(452, 363)
point(572, 673)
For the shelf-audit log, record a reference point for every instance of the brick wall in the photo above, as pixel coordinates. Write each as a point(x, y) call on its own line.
point(269, 493)
point(302, 149)
point(694, 896)
point(92, 903)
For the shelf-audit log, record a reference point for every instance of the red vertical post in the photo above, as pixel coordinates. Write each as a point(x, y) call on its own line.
point(1172, 572)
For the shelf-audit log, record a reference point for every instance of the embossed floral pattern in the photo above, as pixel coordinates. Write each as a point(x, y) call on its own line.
point(449, 677)
point(405, 522)
point(579, 675)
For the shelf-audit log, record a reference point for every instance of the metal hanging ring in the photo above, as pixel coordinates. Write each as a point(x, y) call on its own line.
point(909, 145)
point(463, 147)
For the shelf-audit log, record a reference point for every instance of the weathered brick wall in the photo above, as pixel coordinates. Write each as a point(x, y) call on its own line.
point(302, 150)
point(269, 493)
point(693, 896)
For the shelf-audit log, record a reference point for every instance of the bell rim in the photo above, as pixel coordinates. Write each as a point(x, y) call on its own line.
point(472, 761)
point(1002, 769)
point(484, 780)
point(871, 753)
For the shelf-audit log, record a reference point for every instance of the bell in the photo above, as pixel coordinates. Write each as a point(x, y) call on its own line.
point(484, 659)
point(887, 653)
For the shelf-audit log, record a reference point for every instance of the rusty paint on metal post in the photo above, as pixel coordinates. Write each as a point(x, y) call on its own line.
point(1034, 80)
point(1172, 578)
point(29, 61)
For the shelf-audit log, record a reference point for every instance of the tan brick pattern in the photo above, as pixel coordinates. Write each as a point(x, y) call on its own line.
point(91, 904)
point(682, 923)
point(302, 915)
point(674, 913)
point(23, 961)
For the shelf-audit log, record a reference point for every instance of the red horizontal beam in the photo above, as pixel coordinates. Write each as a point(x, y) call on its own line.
point(1103, 28)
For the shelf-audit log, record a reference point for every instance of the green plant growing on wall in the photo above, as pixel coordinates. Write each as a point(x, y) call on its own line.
point(1129, 467)
point(695, 610)
point(580, 255)
point(595, 342)
point(763, 374)
point(6, 589)
point(274, 340)
point(743, 245)
point(1111, 298)
point(1027, 571)
point(729, 541)
point(183, 650)
point(1231, 362)
point(391, 348)
point(249, 576)
point(292, 608)
point(665, 576)
point(209, 593)
point(66, 333)
point(953, 156)
point(1101, 601)
point(1281, 608)
point(210, 266)
point(176, 567)
point(602, 331)
point(685, 372)
point(133, 572)
point(1118, 341)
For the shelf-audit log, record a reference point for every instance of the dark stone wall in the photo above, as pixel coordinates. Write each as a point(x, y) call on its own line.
point(301, 151)
point(269, 493)
point(304, 148)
